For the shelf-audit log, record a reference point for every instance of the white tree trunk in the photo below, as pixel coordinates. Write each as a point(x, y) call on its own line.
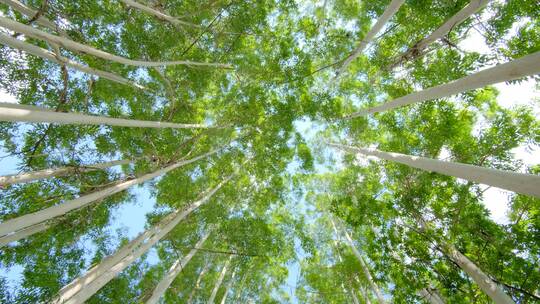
point(174, 271)
point(55, 172)
point(366, 295)
point(383, 19)
point(30, 13)
point(82, 48)
point(198, 282)
point(473, 7)
point(431, 296)
point(45, 54)
point(25, 221)
point(486, 284)
point(228, 288)
point(16, 112)
point(363, 265)
point(6, 239)
point(219, 281)
point(82, 288)
point(525, 66)
point(518, 182)
point(158, 14)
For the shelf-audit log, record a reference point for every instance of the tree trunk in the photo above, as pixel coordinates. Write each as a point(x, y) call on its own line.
point(473, 7)
point(31, 13)
point(85, 49)
point(45, 54)
point(158, 14)
point(44, 215)
point(525, 66)
point(431, 296)
point(383, 19)
point(219, 281)
point(175, 269)
point(486, 284)
point(198, 282)
point(363, 265)
point(228, 288)
point(6, 239)
point(82, 288)
point(55, 172)
point(518, 182)
point(27, 113)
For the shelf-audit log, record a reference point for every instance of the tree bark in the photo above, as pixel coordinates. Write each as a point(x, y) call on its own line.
point(525, 66)
point(363, 265)
point(518, 182)
point(55, 172)
point(31, 13)
point(383, 19)
point(486, 284)
point(228, 288)
point(198, 282)
point(17, 112)
point(175, 269)
point(431, 296)
point(25, 221)
point(85, 49)
point(45, 54)
point(473, 7)
point(82, 288)
point(219, 281)
point(20, 234)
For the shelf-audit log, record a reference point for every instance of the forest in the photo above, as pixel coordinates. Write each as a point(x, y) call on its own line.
point(269, 151)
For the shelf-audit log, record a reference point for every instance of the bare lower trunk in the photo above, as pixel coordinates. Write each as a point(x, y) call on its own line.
point(82, 288)
point(26, 113)
point(56, 172)
point(486, 284)
point(45, 54)
point(174, 271)
point(85, 49)
point(44, 215)
point(383, 19)
point(518, 182)
point(219, 280)
point(525, 66)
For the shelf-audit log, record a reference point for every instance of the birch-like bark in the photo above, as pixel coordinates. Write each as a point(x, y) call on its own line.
point(228, 288)
point(82, 288)
point(56, 172)
point(219, 280)
point(518, 182)
point(44, 215)
point(174, 271)
point(26, 113)
point(20, 234)
point(31, 13)
point(383, 19)
point(158, 14)
point(472, 8)
point(82, 48)
point(45, 54)
point(363, 265)
point(486, 284)
point(525, 66)
point(198, 282)
point(431, 296)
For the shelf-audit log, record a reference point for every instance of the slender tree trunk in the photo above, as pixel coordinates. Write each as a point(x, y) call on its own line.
point(20, 234)
point(229, 286)
point(383, 19)
point(25, 221)
point(431, 296)
point(175, 269)
point(26, 113)
point(486, 284)
point(473, 7)
point(363, 265)
point(31, 13)
point(82, 288)
point(45, 54)
point(198, 282)
point(159, 14)
point(56, 172)
point(366, 295)
point(219, 280)
point(525, 66)
point(79, 47)
point(518, 182)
